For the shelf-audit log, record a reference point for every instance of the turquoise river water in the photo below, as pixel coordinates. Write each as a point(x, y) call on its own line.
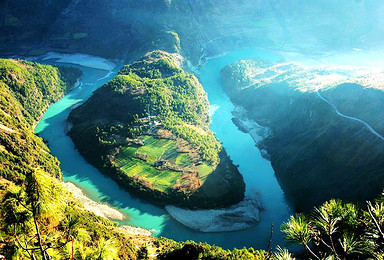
point(257, 172)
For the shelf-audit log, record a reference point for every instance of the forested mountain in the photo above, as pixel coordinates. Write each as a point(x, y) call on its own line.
point(320, 144)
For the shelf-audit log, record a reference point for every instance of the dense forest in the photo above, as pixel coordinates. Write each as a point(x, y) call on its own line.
point(39, 217)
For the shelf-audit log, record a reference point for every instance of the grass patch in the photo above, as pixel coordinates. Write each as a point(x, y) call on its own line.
point(183, 159)
point(161, 180)
point(171, 153)
point(204, 170)
point(156, 149)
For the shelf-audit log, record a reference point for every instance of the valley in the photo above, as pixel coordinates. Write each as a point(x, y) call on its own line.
point(172, 129)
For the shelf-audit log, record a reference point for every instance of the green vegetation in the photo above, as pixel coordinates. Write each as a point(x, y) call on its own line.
point(38, 217)
point(80, 35)
point(35, 86)
point(41, 220)
point(338, 230)
point(193, 250)
point(190, 250)
point(141, 160)
point(166, 40)
point(26, 91)
point(150, 128)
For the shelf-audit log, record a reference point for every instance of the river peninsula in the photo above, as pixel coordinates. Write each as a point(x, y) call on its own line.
point(148, 129)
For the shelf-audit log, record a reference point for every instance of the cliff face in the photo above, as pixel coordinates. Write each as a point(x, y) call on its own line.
point(317, 154)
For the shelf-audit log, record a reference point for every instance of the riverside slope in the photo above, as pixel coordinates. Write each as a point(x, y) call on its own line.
point(29, 172)
point(370, 128)
point(322, 145)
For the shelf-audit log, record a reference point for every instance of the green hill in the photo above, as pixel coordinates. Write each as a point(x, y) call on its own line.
point(40, 219)
point(149, 127)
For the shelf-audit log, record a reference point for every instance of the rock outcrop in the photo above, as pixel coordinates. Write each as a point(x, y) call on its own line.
point(239, 216)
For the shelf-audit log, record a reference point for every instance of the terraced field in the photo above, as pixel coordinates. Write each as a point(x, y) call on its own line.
point(138, 161)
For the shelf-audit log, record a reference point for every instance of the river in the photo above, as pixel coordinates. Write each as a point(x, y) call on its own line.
point(257, 172)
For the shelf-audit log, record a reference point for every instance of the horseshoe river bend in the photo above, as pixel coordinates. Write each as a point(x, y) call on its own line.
point(257, 171)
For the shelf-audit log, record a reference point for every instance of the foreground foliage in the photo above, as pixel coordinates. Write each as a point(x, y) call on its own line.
point(338, 230)
point(202, 251)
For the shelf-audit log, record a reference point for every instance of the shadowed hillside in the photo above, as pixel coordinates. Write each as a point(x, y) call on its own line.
point(317, 154)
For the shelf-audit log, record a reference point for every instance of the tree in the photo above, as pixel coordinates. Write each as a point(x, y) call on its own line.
point(24, 210)
point(142, 254)
point(339, 231)
point(298, 230)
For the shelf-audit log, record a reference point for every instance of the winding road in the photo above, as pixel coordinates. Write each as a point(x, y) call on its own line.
point(350, 117)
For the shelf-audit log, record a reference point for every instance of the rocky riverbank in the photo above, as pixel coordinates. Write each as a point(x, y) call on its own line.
point(237, 217)
point(256, 131)
point(136, 230)
point(100, 209)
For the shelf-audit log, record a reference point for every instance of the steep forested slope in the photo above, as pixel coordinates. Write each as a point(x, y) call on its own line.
point(316, 153)
point(37, 213)
point(38, 216)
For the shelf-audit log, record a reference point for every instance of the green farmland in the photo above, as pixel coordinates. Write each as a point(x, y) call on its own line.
point(156, 150)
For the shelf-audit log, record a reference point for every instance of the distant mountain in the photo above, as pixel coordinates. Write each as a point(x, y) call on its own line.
point(127, 29)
